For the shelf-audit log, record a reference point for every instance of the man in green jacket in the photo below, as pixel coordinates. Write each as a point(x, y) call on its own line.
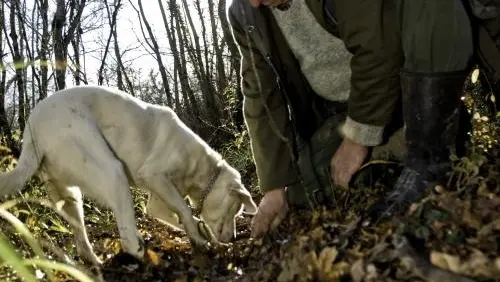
point(292, 109)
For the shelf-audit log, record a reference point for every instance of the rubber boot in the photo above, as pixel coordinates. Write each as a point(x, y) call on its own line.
point(431, 104)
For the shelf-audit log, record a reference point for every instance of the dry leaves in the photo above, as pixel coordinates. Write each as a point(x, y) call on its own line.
point(323, 267)
point(312, 266)
point(476, 265)
point(362, 271)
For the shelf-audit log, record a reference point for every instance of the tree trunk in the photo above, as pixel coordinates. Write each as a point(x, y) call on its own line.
point(121, 71)
point(119, 64)
point(235, 65)
point(177, 101)
point(75, 43)
point(18, 63)
point(59, 51)
point(179, 71)
point(112, 22)
point(25, 53)
point(207, 62)
point(156, 50)
point(61, 40)
point(4, 123)
point(212, 109)
point(44, 49)
point(34, 71)
point(219, 61)
point(179, 27)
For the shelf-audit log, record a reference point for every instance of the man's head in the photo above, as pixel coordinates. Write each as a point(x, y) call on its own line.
point(227, 199)
point(272, 3)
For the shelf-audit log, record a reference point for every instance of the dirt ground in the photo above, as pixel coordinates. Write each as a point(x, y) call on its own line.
point(450, 235)
point(462, 237)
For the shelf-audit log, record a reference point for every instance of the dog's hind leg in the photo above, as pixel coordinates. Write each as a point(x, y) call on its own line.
point(107, 183)
point(94, 168)
point(73, 209)
point(120, 201)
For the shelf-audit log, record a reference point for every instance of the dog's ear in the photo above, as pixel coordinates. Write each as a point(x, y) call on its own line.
point(248, 203)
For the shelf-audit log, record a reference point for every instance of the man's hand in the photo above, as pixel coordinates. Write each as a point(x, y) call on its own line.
point(346, 161)
point(272, 210)
point(273, 3)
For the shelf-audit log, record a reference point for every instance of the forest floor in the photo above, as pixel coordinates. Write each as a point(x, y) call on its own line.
point(449, 235)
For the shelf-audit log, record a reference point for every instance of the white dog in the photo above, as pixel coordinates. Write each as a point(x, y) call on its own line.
point(101, 141)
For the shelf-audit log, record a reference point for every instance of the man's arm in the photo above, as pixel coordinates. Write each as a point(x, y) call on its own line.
point(271, 155)
point(370, 32)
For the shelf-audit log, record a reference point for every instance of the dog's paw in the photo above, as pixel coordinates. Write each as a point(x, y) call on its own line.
point(135, 248)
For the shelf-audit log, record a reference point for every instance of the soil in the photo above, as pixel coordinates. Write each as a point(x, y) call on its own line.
point(447, 236)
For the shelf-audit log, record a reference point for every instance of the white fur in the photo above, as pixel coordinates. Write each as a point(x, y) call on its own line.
point(100, 141)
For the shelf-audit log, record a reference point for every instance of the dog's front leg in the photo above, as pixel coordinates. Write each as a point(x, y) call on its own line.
point(166, 191)
point(157, 208)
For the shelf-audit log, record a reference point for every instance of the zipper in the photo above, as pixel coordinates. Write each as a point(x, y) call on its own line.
point(279, 81)
point(273, 67)
point(291, 113)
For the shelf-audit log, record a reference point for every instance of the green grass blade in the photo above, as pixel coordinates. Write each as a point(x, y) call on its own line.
point(10, 257)
point(29, 238)
point(77, 274)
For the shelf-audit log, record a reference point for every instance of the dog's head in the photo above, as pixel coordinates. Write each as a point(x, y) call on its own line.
point(227, 199)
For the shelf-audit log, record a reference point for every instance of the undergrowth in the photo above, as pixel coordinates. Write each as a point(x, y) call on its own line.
point(54, 239)
point(458, 225)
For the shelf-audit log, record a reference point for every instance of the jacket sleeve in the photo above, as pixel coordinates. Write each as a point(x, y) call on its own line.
point(258, 82)
point(370, 32)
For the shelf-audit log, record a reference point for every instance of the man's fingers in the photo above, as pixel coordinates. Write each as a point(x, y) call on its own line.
point(260, 223)
point(344, 177)
point(272, 204)
point(282, 213)
point(259, 228)
point(346, 161)
point(334, 169)
point(338, 174)
point(277, 220)
point(343, 172)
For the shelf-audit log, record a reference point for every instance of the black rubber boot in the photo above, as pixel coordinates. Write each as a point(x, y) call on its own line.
point(431, 104)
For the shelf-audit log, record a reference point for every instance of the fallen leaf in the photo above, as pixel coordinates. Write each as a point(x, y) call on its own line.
point(489, 228)
point(446, 261)
point(358, 270)
point(182, 279)
point(371, 273)
point(475, 75)
point(153, 257)
point(477, 265)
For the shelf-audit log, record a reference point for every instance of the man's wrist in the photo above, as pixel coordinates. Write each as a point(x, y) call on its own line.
point(364, 134)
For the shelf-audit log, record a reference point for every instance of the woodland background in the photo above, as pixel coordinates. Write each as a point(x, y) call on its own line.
point(177, 53)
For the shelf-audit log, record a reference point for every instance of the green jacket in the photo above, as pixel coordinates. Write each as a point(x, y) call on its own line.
point(274, 83)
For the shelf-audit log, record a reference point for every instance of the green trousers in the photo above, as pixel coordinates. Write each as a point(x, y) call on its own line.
point(436, 36)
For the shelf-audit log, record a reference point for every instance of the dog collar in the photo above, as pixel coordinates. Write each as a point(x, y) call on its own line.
point(206, 190)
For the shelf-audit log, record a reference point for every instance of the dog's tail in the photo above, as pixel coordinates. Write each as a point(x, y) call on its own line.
point(26, 167)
